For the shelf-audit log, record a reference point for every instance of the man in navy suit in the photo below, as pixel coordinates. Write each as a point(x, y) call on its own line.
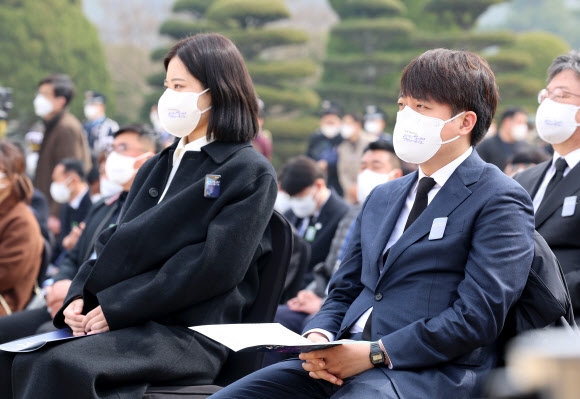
point(436, 259)
point(555, 189)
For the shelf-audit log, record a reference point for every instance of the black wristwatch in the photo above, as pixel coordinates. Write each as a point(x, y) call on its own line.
point(377, 356)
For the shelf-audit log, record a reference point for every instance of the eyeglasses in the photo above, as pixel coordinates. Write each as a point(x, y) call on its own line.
point(557, 95)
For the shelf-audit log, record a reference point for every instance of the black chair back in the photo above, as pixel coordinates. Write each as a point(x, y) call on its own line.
point(272, 278)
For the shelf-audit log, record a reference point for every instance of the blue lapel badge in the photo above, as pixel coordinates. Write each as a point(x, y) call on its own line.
point(211, 187)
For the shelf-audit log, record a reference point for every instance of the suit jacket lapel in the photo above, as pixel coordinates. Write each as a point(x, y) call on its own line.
point(568, 186)
point(449, 197)
point(387, 220)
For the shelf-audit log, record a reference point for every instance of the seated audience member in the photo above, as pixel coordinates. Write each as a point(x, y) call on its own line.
point(379, 164)
point(315, 209)
point(434, 263)
point(70, 189)
point(350, 151)
point(162, 268)
point(134, 141)
point(509, 140)
point(554, 185)
point(21, 243)
point(522, 160)
point(38, 205)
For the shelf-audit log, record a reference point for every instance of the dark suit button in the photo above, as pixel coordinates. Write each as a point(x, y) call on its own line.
point(153, 192)
point(378, 296)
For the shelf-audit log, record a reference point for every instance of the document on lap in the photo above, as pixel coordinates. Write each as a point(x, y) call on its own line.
point(35, 342)
point(262, 337)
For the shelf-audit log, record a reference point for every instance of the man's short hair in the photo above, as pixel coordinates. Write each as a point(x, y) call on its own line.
point(62, 85)
point(94, 97)
point(73, 165)
point(299, 173)
point(461, 79)
point(570, 61)
point(385, 145)
point(510, 112)
point(146, 135)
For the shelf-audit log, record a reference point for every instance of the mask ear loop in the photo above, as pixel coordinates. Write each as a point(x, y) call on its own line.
point(449, 120)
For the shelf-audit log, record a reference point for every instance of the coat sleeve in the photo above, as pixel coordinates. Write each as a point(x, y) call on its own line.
point(14, 244)
point(221, 262)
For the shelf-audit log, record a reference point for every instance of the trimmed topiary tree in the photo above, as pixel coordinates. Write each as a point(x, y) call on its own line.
point(280, 83)
point(42, 37)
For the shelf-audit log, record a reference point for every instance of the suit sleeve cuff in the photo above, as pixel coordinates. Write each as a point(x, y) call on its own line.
point(328, 335)
point(387, 358)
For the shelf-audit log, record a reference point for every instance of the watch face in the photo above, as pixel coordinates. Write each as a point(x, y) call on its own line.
point(377, 358)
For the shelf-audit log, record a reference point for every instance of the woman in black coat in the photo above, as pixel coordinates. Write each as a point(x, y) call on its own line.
point(186, 250)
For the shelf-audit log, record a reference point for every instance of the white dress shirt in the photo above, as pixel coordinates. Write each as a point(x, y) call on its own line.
point(572, 160)
point(181, 148)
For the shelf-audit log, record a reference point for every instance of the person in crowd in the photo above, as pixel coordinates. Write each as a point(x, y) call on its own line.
point(161, 268)
point(375, 123)
point(554, 185)
point(525, 159)
point(322, 144)
point(70, 189)
point(63, 137)
point(315, 209)
point(379, 164)
point(435, 261)
point(263, 141)
point(98, 127)
point(350, 152)
point(21, 243)
point(509, 140)
point(135, 141)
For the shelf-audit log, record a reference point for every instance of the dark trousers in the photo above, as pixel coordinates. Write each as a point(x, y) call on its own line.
point(288, 379)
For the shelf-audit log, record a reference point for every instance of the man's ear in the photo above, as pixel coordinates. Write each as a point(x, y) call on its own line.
point(61, 102)
point(319, 183)
point(468, 121)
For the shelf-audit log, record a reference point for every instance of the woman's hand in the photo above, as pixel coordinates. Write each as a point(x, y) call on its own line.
point(73, 317)
point(95, 322)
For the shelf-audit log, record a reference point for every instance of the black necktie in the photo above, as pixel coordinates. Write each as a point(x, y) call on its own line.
point(560, 165)
point(421, 201)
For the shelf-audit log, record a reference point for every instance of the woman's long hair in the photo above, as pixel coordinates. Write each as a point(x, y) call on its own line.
point(13, 164)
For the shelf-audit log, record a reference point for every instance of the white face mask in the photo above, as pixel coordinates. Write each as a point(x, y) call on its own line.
point(417, 137)
point(373, 127)
point(366, 181)
point(556, 122)
point(347, 131)
point(178, 111)
point(42, 106)
point(520, 132)
point(303, 206)
point(108, 188)
point(91, 112)
point(282, 203)
point(330, 131)
point(60, 192)
point(120, 168)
